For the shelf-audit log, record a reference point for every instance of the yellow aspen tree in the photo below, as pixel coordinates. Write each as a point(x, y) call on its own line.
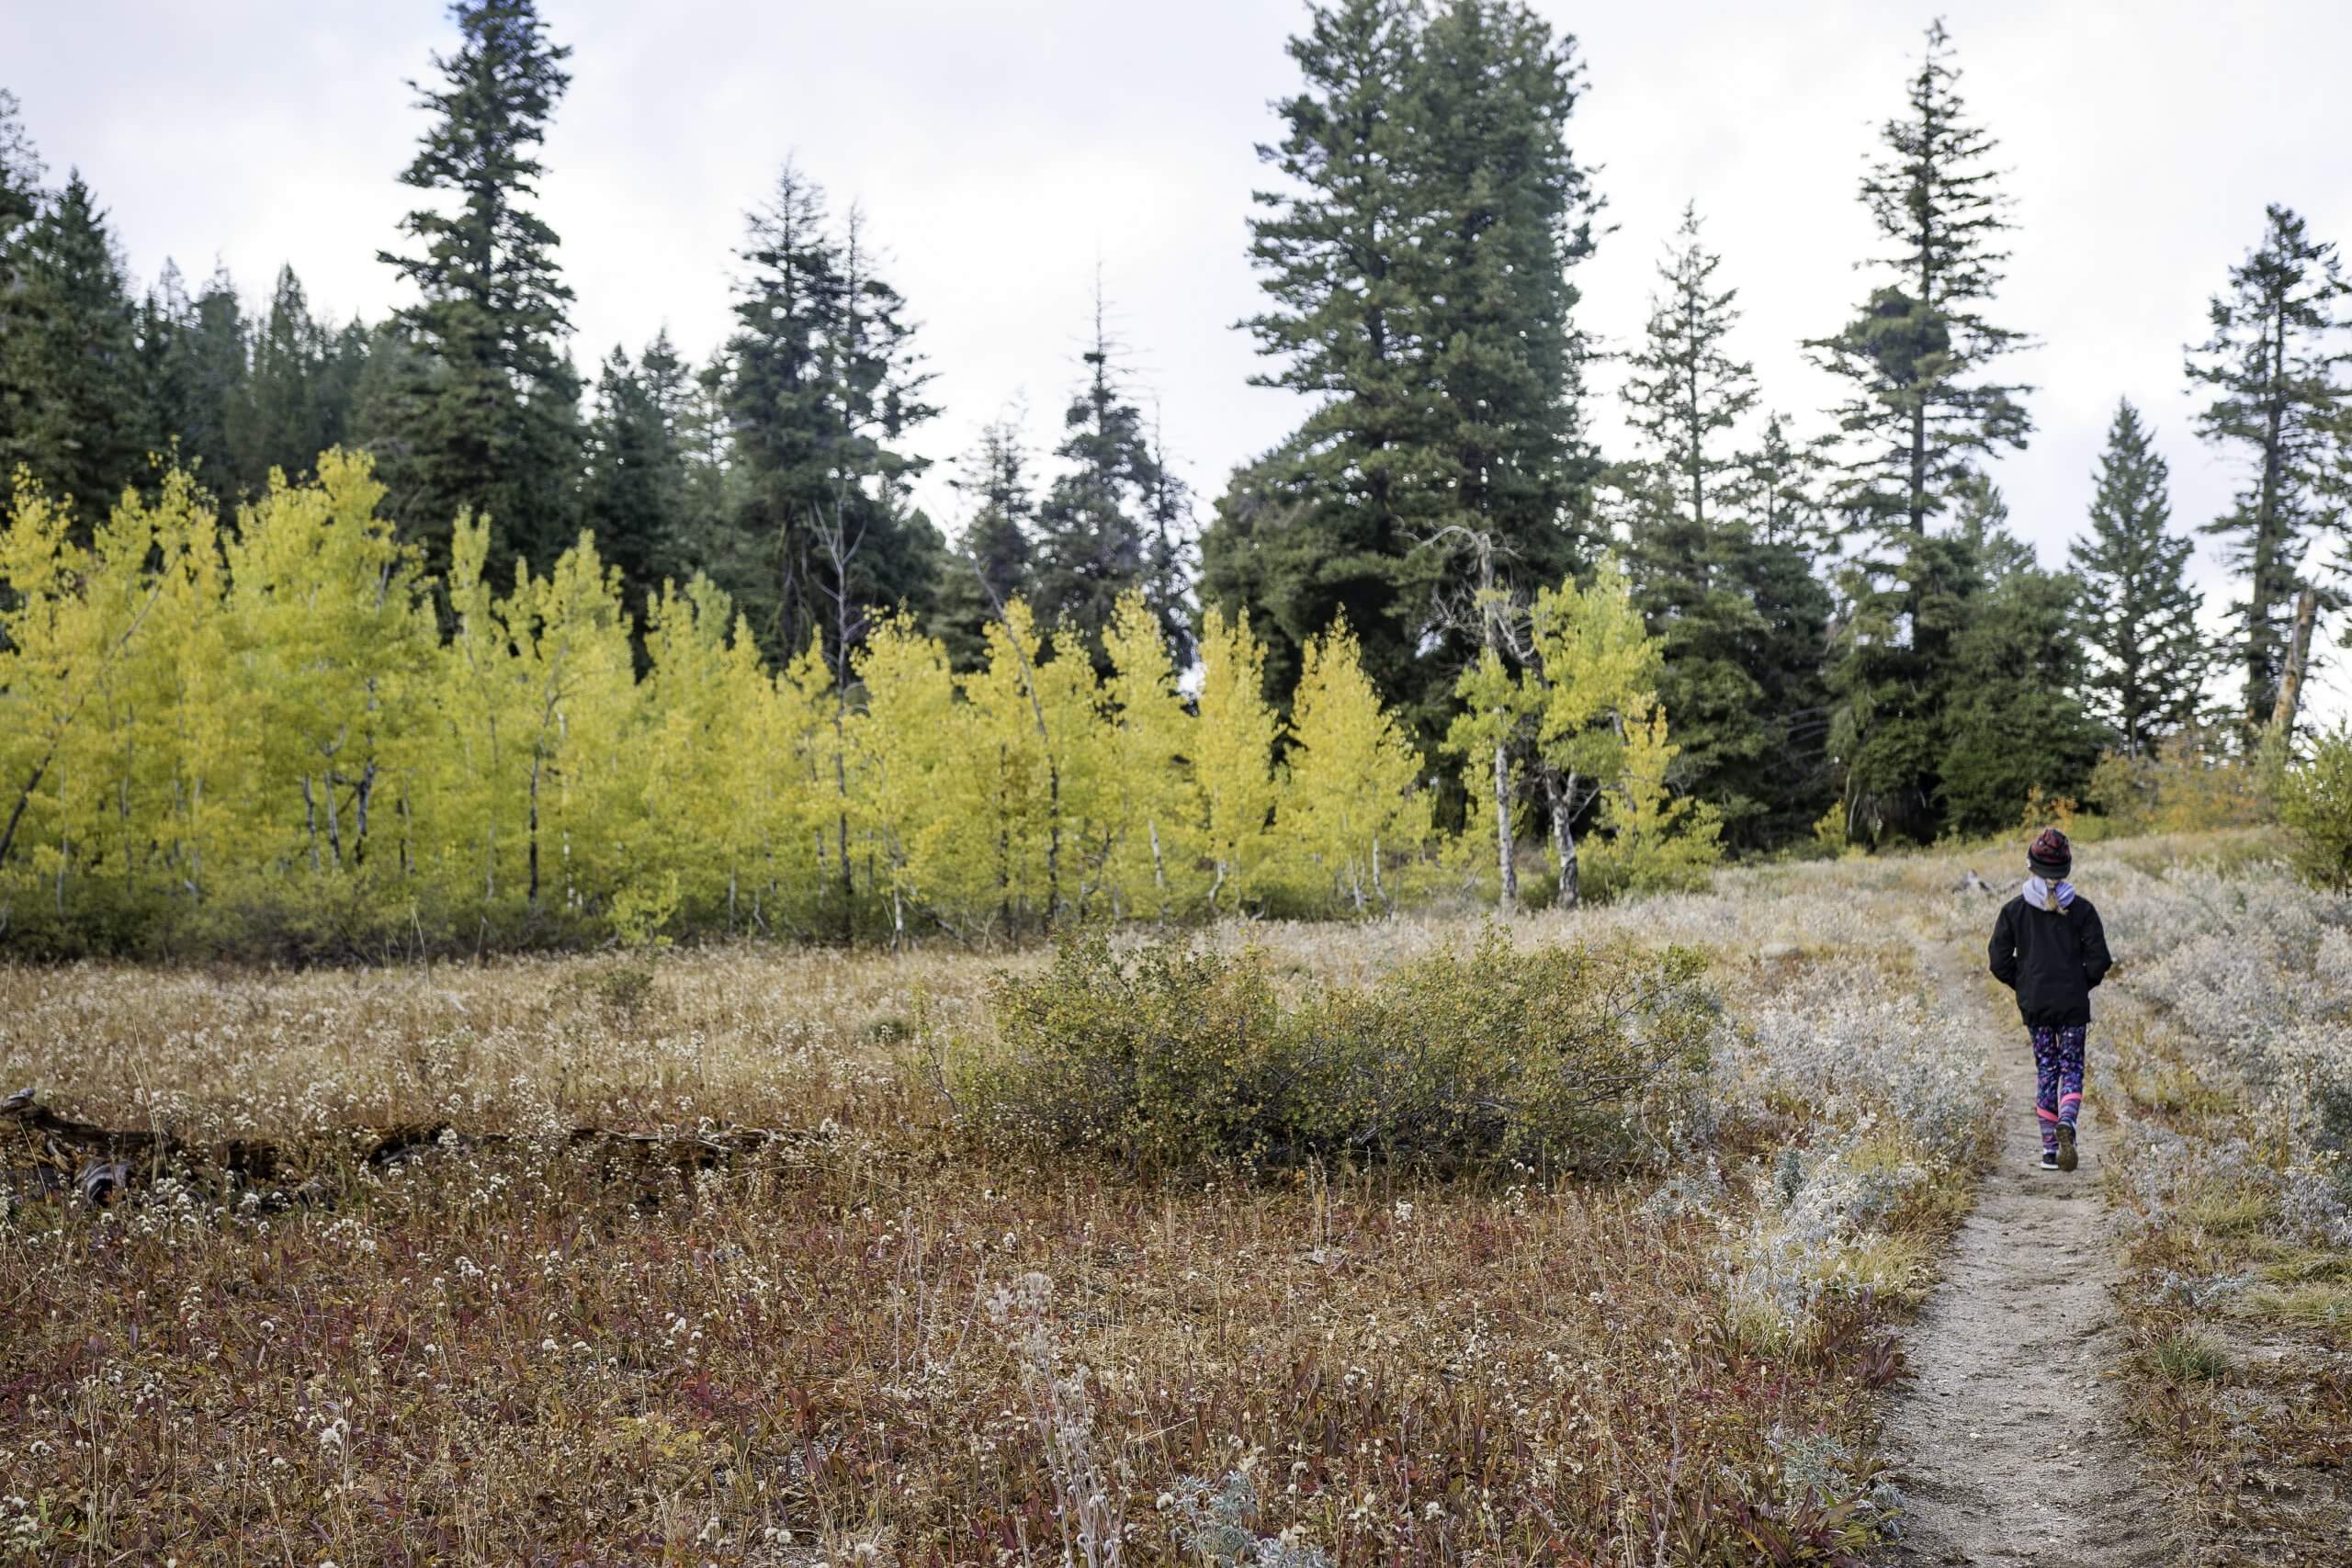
point(801, 873)
point(1350, 792)
point(1158, 851)
point(1498, 702)
point(1085, 800)
point(1020, 807)
point(1593, 664)
point(915, 802)
point(1657, 841)
point(210, 750)
point(762, 796)
point(687, 815)
point(1235, 764)
point(462, 811)
point(577, 677)
point(72, 620)
point(332, 637)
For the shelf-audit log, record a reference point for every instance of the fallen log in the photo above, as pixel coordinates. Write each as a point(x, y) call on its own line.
point(61, 1157)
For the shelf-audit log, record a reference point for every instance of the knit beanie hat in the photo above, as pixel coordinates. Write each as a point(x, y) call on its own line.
point(2050, 854)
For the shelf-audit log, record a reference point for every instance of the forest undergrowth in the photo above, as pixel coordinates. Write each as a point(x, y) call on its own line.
point(900, 1336)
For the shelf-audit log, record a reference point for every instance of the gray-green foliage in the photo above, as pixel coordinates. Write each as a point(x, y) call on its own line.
point(1180, 1058)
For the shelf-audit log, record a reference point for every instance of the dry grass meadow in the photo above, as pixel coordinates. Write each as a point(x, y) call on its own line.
point(877, 1337)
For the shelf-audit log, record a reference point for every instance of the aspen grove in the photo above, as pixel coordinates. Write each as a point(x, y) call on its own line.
point(279, 733)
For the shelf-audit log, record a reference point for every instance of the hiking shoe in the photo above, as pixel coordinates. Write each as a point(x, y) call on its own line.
point(2050, 1159)
point(2066, 1159)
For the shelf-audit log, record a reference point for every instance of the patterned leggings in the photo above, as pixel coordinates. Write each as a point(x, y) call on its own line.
point(2058, 1061)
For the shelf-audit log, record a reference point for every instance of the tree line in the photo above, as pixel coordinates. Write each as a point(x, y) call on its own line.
point(1851, 643)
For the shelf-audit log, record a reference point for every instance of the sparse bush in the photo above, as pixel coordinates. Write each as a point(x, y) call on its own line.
point(1553, 1054)
point(2189, 786)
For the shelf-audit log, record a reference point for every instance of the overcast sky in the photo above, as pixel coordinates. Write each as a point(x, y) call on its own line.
point(1001, 147)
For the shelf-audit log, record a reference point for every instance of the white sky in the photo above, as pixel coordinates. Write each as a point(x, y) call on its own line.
point(1000, 147)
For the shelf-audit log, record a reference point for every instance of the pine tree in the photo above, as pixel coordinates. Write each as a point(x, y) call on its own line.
point(1349, 799)
point(1417, 273)
point(1327, 522)
point(1684, 394)
point(822, 384)
point(1689, 550)
point(299, 389)
point(2011, 723)
point(2139, 615)
point(2275, 366)
point(486, 414)
point(1093, 540)
point(1504, 213)
point(196, 353)
point(83, 427)
point(992, 561)
point(20, 172)
point(634, 496)
point(1922, 410)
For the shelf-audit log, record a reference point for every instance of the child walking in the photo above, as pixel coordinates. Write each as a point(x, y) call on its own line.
point(2049, 948)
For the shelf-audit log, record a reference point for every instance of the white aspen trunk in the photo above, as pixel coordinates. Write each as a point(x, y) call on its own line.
point(1564, 843)
point(1507, 898)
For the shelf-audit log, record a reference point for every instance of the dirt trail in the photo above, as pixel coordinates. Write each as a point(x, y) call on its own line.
point(2012, 1446)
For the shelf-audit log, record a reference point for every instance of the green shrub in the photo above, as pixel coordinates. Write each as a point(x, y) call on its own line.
point(2314, 797)
point(1175, 1057)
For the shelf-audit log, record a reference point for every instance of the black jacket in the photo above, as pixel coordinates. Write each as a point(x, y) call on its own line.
point(2051, 959)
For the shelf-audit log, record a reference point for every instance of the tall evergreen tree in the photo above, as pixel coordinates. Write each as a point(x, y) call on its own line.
point(1737, 615)
point(822, 384)
point(1925, 407)
point(994, 558)
point(1415, 269)
point(1922, 410)
point(487, 414)
point(20, 173)
point(1171, 554)
point(2139, 613)
point(195, 355)
point(299, 389)
point(1506, 213)
point(2010, 720)
point(82, 425)
point(634, 496)
point(1093, 538)
point(1324, 524)
point(1684, 393)
point(2275, 364)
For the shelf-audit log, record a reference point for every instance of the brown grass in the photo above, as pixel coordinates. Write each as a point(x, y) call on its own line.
point(513, 1355)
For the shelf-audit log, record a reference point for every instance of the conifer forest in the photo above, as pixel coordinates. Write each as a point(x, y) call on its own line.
point(330, 636)
point(714, 952)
